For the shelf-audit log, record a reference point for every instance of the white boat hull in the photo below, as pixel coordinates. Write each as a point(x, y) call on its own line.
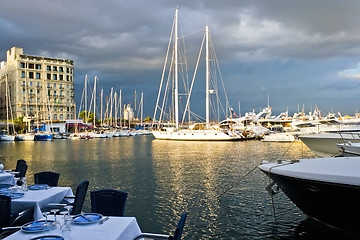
point(324, 144)
point(196, 135)
point(279, 137)
point(25, 137)
point(7, 138)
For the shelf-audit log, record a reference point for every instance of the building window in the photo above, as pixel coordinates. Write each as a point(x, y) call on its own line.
point(54, 77)
point(38, 84)
point(48, 85)
point(55, 108)
point(24, 99)
point(38, 100)
point(61, 86)
point(38, 66)
point(48, 76)
point(38, 75)
point(31, 108)
point(38, 91)
point(31, 65)
point(54, 85)
point(23, 74)
point(61, 93)
point(48, 92)
point(48, 68)
point(22, 65)
point(24, 91)
point(54, 68)
point(24, 107)
point(67, 77)
point(31, 100)
point(54, 93)
point(31, 92)
point(31, 83)
point(61, 77)
point(55, 116)
point(31, 75)
point(61, 109)
point(61, 117)
point(24, 83)
point(61, 69)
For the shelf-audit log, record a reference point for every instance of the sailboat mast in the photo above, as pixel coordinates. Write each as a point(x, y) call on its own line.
point(85, 89)
point(94, 100)
point(207, 78)
point(176, 93)
point(7, 104)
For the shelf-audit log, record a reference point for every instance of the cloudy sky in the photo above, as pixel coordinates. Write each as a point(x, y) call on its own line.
point(300, 53)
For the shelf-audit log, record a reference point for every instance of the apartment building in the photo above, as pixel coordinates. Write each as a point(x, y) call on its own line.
point(38, 88)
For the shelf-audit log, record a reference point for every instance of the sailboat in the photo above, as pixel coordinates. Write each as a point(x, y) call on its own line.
point(5, 136)
point(197, 131)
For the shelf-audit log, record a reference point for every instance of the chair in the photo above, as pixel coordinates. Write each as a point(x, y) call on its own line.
point(7, 220)
point(108, 202)
point(49, 178)
point(79, 199)
point(78, 202)
point(19, 166)
point(177, 233)
point(21, 175)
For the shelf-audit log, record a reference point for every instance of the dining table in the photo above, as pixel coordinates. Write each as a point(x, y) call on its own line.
point(113, 228)
point(7, 178)
point(39, 198)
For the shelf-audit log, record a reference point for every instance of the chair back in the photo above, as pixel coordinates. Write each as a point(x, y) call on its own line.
point(5, 211)
point(179, 229)
point(49, 178)
point(108, 202)
point(80, 194)
point(19, 166)
point(23, 170)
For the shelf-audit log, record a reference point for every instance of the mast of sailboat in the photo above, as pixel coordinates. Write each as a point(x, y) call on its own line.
point(101, 106)
point(207, 78)
point(85, 98)
point(176, 93)
point(94, 100)
point(7, 104)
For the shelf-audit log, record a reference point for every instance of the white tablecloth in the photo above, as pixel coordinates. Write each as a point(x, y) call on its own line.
point(116, 228)
point(40, 198)
point(7, 178)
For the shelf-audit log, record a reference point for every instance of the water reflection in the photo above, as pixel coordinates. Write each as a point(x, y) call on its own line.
point(164, 178)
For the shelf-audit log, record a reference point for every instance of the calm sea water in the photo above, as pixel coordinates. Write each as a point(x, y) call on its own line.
point(165, 178)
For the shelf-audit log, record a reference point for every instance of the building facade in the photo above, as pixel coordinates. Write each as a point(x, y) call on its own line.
point(38, 88)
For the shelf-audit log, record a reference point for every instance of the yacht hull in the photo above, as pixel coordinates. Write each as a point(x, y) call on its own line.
point(324, 145)
point(25, 137)
point(7, 138)
point(335, 204)
point(200, 135)
point(43, 137)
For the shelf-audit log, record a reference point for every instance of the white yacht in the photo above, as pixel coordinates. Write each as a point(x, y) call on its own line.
point(325, 189)
point(197, 132)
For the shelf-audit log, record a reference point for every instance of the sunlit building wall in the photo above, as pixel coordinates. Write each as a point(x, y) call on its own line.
point(37, 86)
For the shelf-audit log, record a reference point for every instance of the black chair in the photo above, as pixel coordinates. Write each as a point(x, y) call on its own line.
point(7, 220)
point(19, 168)
point(49, 178)
point(78, 202)
point(108, 202)
point(177, 234)
point(79, 199)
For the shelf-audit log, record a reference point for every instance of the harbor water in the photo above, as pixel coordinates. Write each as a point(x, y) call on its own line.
point(165, 178)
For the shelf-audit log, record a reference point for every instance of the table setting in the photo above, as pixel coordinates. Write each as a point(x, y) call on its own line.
point(62, 225)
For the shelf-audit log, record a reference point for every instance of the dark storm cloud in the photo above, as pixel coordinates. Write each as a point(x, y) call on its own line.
point(276, 47)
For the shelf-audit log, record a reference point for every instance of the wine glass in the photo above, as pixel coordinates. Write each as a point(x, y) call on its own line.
point(46, 216)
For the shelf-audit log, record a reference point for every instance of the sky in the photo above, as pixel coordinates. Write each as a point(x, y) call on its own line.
point(294, 54)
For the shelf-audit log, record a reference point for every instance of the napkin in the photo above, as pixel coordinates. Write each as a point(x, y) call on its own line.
point(92, 217)
point(37, 226)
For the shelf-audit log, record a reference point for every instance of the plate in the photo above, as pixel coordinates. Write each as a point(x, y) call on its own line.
point(13, 195)
point(48, 237)
point(38, 187)
point(38, 226)
point(87, 218)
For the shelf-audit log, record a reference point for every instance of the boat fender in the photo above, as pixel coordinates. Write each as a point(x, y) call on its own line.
point(272, 188)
